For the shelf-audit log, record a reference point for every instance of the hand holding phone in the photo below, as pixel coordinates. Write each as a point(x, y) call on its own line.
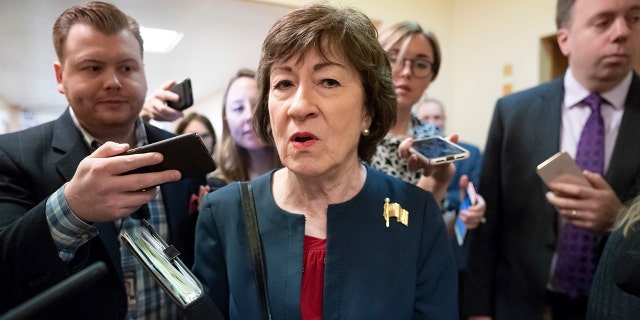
point(438, 150)
point(470, 199)
point(183, 89)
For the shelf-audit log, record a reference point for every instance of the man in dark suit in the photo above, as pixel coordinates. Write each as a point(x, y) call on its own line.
point(513, 257)
point(62, 205)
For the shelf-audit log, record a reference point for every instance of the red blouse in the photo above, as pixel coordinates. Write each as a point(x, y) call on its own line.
point(315, 251)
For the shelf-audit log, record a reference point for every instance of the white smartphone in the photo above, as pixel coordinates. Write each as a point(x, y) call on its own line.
point(438, 150)
point(560, 167)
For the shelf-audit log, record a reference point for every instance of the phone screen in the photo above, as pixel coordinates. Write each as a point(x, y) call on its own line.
point(436, 148)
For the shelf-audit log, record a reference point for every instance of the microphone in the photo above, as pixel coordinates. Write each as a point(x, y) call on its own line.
point(628, 276)
point(64, 288)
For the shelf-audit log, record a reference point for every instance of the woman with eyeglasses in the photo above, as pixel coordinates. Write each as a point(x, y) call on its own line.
point(414, 54)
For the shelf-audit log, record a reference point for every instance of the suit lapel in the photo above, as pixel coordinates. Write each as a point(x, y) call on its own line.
point(552, 117)
point(624, 167)
point(68, 146)
point(548, 118)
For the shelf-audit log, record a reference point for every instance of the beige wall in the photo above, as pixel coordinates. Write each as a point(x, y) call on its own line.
point(484, 41)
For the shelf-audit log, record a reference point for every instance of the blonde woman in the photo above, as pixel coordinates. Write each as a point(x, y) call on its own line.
point(243, 156)
point(607, 300)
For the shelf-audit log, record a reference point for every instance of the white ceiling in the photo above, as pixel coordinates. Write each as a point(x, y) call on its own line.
point(220, 36)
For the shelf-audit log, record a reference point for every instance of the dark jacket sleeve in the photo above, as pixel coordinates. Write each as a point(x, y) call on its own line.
point(29, 261)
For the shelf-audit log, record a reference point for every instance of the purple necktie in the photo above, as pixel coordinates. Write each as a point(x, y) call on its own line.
point(577, 251)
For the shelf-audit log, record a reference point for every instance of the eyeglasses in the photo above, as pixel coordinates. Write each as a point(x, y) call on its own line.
point(420, 68)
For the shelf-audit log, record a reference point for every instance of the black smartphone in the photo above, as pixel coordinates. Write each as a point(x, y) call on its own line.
point(185, 153)
point(183, 89)
point(438, 150)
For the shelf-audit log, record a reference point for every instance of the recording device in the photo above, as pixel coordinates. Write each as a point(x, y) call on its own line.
point(183, 89)
point(438, 150)
point(560, 167)
point(627, 276)
point(163, 263)
point(38, 304)
point(185, 153)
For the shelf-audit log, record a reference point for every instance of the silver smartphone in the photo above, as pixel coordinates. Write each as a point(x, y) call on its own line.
point(438, 150)
point(560, 167)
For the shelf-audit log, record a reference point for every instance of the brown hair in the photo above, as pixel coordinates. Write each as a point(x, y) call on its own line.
point(202, 119)
point(563, 13)
point(402, 31)
point(234, 159)
point(328, 29)
point(103, 16)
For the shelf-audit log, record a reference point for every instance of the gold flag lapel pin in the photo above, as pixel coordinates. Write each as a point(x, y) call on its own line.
point(395, 210)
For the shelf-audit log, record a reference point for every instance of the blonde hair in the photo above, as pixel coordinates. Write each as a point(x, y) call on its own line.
point(234, 159)
point(630, 217)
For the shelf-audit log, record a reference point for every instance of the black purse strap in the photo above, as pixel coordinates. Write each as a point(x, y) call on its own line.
point(255, 246)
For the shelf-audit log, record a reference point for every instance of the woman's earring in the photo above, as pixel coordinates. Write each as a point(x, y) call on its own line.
point(365, 132)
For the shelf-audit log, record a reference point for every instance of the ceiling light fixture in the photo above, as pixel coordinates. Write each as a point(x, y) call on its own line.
point(159, 40)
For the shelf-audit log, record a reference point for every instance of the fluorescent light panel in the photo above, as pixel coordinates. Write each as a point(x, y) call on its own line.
point(159, 40)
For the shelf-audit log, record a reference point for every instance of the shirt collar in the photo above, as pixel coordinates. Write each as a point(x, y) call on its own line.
point(574, 92)
point(92, 142)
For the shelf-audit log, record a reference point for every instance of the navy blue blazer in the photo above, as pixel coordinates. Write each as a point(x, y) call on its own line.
point(510, 255)
point(33, 164)
point(372, 272)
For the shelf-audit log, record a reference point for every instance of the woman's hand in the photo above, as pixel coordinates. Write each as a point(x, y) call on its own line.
point(473, 215)
point(440, 172)
point(435, 178)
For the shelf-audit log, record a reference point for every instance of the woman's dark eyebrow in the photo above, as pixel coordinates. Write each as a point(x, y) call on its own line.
point(320, 66)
